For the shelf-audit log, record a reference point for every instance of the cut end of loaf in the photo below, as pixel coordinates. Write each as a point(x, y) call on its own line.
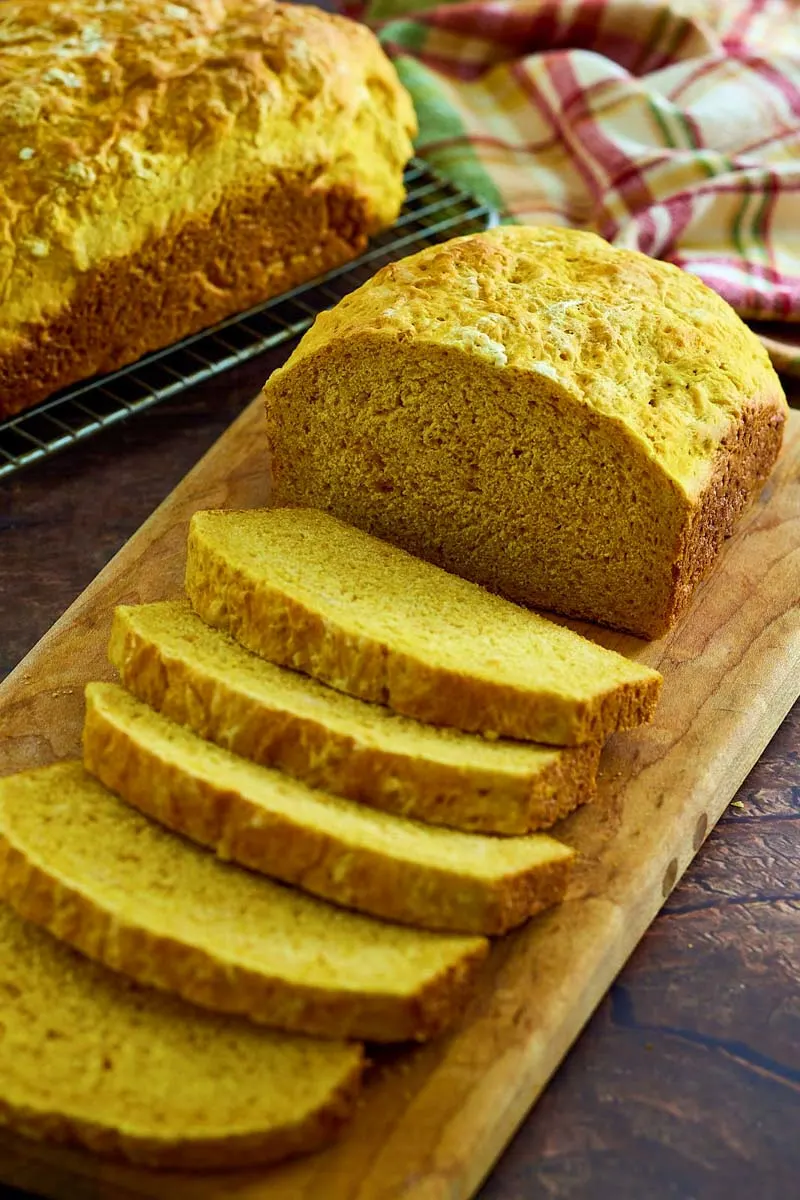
point(573, 425)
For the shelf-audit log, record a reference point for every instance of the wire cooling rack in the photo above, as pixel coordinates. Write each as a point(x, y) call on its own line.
point(434, 210)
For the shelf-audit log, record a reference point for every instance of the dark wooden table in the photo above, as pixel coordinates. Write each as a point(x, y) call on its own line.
point(686, 1084)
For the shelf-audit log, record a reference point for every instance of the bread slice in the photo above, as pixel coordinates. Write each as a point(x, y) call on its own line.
point(87, 1057)
point(200, 677)
point(304, 590)
point(135, 897)
point(375, 862)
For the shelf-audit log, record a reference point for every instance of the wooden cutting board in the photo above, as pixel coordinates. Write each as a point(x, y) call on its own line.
point(435, 1118)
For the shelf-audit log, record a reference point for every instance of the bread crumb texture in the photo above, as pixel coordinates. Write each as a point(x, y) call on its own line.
point(90, 1058)
point(308, 591)
point(353, 855)
point(574, 425)
point(203, 679)
point(139, 899)
point(127, 125)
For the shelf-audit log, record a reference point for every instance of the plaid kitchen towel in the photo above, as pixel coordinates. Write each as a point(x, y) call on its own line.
point(669, 126)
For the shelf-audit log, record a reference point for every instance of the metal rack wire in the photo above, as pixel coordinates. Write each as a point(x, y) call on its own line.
point(434, 210)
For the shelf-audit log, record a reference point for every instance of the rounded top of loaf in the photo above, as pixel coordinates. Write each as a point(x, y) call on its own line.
point(636, 340)
point(116, 116)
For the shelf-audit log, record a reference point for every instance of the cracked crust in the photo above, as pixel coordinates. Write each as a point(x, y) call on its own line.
point(165, 166)
point(606, 418)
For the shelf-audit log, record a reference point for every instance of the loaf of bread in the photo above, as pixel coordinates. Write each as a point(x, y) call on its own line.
point(163, 166)
point(203, 679)
point(312, 593)
point(377, 863)
point(574, 426)
point(91, 1059)
point(124, 891)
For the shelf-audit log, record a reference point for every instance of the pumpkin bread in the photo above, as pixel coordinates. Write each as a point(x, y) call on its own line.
point(124, 891)
point(573, 425)
point(201, 678)
point(375, 862)
point(307, 591)
point(89, 1058)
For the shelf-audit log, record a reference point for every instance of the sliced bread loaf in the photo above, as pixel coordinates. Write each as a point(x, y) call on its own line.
point(87, 1057)
point(200, 677)
point(575, 425)
point(375, 862)
point(307, 591)
point(126, 892)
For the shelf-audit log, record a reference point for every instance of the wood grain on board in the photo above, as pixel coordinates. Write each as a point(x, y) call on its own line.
point(434, 1119)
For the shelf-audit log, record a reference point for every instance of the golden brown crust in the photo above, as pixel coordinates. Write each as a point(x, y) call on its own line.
point(234, 1152)
point(745, 459)
point(285, 630)
point(446, 895)
point(164, 963)
point(256, 244)
point(120, 125)
point(468, 797)
point(613, 331)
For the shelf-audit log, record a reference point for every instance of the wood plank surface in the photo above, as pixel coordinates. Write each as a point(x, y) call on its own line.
point(434, 1119)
